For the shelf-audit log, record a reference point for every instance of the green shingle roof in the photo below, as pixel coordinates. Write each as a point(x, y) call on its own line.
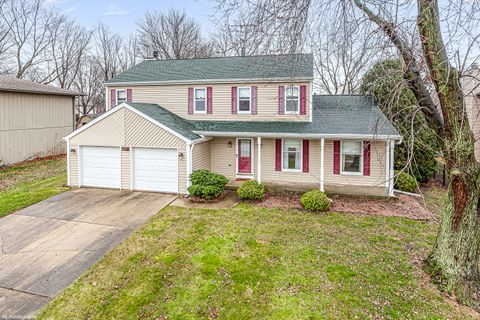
point(167, 118)
point(220, 68)
point(332, 115)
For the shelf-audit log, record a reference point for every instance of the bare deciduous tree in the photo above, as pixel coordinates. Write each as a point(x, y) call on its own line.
point(89, 81)
point(174, 35)
point(32, 29)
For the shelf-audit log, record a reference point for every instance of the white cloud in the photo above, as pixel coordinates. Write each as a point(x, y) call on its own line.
point(114, 9)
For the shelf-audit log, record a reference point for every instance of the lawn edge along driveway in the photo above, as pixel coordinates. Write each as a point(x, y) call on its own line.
point(48, 245)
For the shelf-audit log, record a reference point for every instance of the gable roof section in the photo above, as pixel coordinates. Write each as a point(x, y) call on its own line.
point(163, 118)
point(11, 84)
point(295, 66)
point(333, 115)
point(178, 124)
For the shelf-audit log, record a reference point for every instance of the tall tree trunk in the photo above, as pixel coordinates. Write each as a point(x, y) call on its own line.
point(455, 256)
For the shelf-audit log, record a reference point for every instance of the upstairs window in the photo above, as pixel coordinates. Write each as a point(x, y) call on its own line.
point(292, 100)
point(352, 157)
point(200, 100)
point(292, 154)
point(244, 100)
point(121, 96)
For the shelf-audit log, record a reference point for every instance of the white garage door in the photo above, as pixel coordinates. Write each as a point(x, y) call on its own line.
point(155, 169)
point(100, 167)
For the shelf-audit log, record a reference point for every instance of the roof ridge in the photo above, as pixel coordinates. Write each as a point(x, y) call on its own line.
point(230, 57)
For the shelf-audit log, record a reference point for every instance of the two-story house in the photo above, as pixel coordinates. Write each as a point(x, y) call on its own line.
point(244, 117)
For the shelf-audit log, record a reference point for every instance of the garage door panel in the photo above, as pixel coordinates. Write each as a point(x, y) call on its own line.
point(155, 169)
point(100, 166)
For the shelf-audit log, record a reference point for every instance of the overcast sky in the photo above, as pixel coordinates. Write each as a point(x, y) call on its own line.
point(121, 15)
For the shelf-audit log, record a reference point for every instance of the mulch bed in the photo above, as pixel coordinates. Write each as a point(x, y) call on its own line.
point(39, 159)
point(403, 206)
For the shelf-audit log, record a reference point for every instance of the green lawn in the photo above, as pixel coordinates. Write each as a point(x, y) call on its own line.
point(257, 263)
point(25, 184)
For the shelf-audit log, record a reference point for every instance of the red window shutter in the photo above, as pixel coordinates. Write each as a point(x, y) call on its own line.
point(303, 100)
point(366, 158)
point(190, 100)
point(209, 100)
point(278, 155)
point(129, 95)
point(281, 99)
point(306, 155)
point(234, 100)
point(336, 157)
point(254, 99)
point(113, 98)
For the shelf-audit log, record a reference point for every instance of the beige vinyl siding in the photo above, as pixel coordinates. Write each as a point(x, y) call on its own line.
point(127, 128)
point(377, 177)
point(33, 125)
point(142, 132)
point(125, 169)
point(223, 161)
point(223, 157)
point(109, 131)
point(73, 166)
point(201, 158)
point(309, 179)
point(175, 99)
point(182, 172)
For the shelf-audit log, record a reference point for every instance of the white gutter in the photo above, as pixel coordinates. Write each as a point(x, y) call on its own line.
point(212, 81)
point(298, 135)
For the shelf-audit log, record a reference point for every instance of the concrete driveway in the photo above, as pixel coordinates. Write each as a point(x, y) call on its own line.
point(45, 247)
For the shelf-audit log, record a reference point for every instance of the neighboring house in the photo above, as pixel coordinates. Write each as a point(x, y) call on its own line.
point(33, 119)
point(86, 118)
point(244, 117)
point(471, 89)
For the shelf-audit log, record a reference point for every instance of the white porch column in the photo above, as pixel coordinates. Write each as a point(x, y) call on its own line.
point(322, 165)
point(259, 164)
point(392, 162)
point(387, 165)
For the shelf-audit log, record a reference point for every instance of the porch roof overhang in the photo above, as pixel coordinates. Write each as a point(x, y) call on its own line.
point(298, 135)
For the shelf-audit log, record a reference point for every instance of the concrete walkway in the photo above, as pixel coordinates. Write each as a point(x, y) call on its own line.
point(45, 247)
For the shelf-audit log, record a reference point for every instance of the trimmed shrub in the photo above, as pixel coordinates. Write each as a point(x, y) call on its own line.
point(315, 200)
point(206, 185)
point(405, 182)
point(251, 190)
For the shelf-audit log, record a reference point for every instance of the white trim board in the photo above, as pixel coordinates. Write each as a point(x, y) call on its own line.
point(125, 105)
point(298, 135)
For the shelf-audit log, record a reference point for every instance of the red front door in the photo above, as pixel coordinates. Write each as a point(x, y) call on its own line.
point(244, 156)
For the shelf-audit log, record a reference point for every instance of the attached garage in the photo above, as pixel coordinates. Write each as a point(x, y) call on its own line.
point(135, 146)
point(100, 167)
point(155, 169)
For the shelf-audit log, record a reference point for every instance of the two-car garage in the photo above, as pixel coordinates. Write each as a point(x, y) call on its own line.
point(126, 150)
point(152, 169)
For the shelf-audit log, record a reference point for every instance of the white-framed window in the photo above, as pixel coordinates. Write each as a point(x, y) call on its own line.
point(244, 100)
point(352, 157)
point(292, 155)
point(121, 96)
point(292, 99)
point(200, 100)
